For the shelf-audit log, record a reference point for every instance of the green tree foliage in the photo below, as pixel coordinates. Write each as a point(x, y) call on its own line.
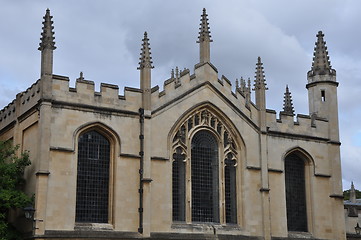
point(12, 169)
point(346, 194)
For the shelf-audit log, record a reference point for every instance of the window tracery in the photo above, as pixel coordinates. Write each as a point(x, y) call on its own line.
point(200, 125)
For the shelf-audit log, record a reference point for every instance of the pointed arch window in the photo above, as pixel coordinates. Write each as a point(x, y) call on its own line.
point(204, 170)
point(295, 193)
point(92, 191)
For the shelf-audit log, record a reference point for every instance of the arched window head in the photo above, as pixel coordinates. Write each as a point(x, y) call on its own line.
point(295, 193)
point(92, 191)
point(205, 152)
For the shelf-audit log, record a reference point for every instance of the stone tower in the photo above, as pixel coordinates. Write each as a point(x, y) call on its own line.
point(322, 87)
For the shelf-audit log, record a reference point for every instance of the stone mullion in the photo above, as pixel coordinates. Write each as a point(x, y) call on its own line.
point(188, 186)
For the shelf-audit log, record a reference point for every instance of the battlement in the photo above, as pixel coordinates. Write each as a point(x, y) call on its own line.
point(302, 125)
point(176, 88)
point(179, 85)
point(23, 102)
point(7, 114)
point(84, 94)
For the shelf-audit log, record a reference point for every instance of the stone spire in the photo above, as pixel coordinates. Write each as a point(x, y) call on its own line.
point(352, 193)
point(204, 39)
point(145, 66)
point(47, 36)
point(145, 58)
point(47, 45)
point(321, 64)
point(260, 90)
point(287, 103)
point(260, 81)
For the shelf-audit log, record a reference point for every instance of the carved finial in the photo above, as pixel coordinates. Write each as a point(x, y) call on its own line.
point(81, 77)
point(176, 72)
point(237, 84)
point(249, 85)
point(145, 58)
point(247, 92)
point(172, 74)
point(204, 32)
point(287, 103)
point(177, 82)
point(260, 81)
point(352, 193)
point(243, 85)
point(321, 64)
point(204, 39)
point(47, 36)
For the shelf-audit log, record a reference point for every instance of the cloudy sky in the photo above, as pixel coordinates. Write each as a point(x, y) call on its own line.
point(102, 39)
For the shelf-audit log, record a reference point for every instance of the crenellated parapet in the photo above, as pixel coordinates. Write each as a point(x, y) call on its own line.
point(85, 96)
point(24, 102)
point(178, 86)
point(7, 115)
point(298, 127)
point(205, 77)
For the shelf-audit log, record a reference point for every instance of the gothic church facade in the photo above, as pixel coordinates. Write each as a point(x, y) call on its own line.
point(193, 161)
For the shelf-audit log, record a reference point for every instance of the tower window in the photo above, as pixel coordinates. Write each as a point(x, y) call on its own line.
point(323, 95)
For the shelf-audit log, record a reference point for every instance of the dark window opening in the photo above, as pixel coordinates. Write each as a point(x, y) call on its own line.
point(204, 167)
point(178, 183)
point(323, 96)
point(230, 189)
point(92, 191)
point(295, 193)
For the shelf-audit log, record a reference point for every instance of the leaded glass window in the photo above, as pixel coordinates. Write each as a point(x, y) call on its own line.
point(178, 182)
point(204, 167)
point(92, 191)
point(230, 189)
point(197, 172)
point(295, 193)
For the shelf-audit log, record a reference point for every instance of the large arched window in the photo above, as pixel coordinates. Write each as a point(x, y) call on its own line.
point(92, 191)
point(204, 170)
point(295, 193)
point(204, 165)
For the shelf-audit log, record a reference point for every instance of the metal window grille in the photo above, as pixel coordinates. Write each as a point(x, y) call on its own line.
point(295, 193)
point(92, 178)
point(178, 183)
point(230, 190)
point(204, 167)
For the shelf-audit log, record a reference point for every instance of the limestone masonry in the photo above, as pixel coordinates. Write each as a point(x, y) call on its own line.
point(193, 161)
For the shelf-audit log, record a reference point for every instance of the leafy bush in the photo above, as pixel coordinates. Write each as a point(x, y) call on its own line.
point(12, 169)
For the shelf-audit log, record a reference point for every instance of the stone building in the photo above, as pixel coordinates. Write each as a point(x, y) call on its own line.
point(193, 161)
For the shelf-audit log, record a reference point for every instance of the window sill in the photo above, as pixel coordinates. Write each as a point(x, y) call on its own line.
point(212, 228)
point(93, 226)
point(305, 235)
